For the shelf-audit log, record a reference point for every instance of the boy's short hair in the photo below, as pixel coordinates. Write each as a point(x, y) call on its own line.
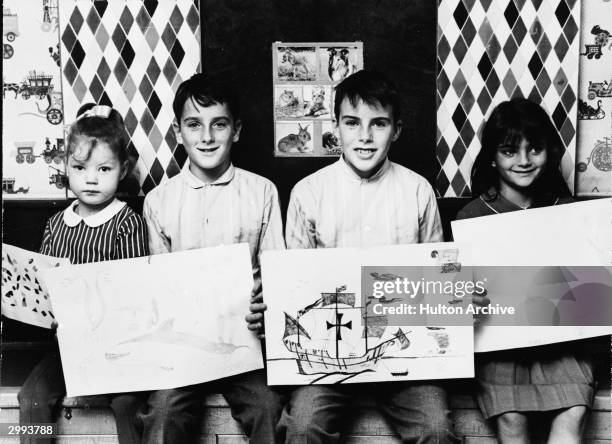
point(206, 90)
point(373, 88)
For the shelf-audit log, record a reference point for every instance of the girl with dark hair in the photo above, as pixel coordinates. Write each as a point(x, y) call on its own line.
point(517, 168)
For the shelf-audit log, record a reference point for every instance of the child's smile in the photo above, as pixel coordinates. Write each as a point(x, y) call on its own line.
point(207, 133)
point(366, 133)
point(519, 166)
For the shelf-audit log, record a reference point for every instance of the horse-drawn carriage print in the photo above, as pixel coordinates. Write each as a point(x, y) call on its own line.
point(602, 39)
point(10, 30)
point(25, 152)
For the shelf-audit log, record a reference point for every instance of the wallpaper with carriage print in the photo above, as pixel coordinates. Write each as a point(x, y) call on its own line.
point(491, 50)
point(33, 117)
point(594, 149)
point(132, 54)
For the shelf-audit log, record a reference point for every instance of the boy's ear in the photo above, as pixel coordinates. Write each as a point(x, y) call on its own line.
point(237, 129)
point(398, 130)
point(177, 131)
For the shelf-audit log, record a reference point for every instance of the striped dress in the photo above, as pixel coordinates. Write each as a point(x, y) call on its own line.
point(116, 232)
point(534, 379)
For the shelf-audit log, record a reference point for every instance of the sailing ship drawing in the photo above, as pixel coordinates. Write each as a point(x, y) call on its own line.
point(335, 336)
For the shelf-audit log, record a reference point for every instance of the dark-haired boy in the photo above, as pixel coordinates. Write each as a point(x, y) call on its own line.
point(213, 203)
point(365, 200)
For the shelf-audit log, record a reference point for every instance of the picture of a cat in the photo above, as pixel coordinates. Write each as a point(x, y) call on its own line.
point(296, 143)
point(317, 107)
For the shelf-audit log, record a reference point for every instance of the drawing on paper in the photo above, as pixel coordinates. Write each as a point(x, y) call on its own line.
point(316, 355)
point(155, 322)
point(329, 333)
point(23, 297)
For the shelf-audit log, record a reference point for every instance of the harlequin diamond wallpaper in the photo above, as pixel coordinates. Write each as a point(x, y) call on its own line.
point(132, 55)
point(490, 51)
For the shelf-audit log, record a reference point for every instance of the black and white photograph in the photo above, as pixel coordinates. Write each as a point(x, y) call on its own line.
point(340, 222)
point(336, 63)
point(296, 63)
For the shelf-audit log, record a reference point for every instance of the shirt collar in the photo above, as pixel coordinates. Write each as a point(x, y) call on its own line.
point(196, 183)
point(72, 219)
point(502, 205)
point(348, 171)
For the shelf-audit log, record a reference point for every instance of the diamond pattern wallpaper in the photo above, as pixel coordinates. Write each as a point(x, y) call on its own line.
point(490, 51)
point(132, 55)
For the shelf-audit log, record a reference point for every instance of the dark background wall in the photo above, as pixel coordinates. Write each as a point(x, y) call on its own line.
point(398, 37)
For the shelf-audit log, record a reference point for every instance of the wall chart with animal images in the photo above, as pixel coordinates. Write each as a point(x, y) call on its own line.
point(154, 322)
point(490, 51)
point(594, 148)
point(33, 150)
point(24, 297)
point(304, 75)
point(325, 332)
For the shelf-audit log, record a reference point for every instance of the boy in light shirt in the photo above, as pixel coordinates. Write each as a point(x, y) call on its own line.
point(364, 199)
point(209, 204)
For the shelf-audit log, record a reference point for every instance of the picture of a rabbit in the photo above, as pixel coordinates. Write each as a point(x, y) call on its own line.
point(296, 143)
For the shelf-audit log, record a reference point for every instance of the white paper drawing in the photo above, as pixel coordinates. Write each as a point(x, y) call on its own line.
point(155, 322)
point(24, 298)
point(576, 234)
point(318, 333)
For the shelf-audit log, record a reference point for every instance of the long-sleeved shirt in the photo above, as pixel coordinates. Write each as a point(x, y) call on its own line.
point(334, 207)
point(185, 213)
point(115, 232)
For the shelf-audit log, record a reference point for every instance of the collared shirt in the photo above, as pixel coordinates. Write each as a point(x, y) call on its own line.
point(115, 232)
point(334, 207)
point(493, 202)
point(184, 213)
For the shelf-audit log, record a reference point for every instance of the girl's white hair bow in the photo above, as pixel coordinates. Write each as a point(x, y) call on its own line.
point(97, 111)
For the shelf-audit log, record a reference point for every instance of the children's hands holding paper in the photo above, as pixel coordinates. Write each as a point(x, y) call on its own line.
point(255, 319)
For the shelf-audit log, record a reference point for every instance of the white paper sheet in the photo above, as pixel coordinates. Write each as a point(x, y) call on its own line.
point(293, 279)
point(155, 322)
point(24, 299)
point(577, 234)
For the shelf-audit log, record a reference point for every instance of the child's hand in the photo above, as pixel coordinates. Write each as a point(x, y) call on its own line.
point(480, 299)
point(255, 319)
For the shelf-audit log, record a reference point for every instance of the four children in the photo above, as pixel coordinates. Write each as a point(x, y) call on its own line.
point(363, 199)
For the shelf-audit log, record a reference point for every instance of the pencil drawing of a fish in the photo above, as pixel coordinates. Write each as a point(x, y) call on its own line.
point(166, 335)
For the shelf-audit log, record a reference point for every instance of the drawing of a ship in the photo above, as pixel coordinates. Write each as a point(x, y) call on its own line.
point(333, 335)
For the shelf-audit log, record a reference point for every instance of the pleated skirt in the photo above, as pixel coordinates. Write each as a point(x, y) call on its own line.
point(536, 379)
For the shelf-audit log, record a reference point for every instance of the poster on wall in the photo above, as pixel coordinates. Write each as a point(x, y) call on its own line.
point(304, 75)
point(489, 52)
point(133, 55)
point(594, 148)
point(33, 152)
